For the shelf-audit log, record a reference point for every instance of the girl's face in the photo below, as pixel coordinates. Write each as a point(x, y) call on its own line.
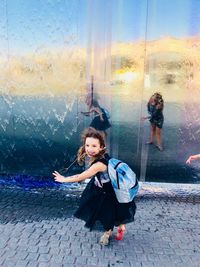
point(153, 99)
point(92, 147)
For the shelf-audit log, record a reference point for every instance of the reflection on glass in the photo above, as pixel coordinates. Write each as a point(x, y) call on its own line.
point(132, 49)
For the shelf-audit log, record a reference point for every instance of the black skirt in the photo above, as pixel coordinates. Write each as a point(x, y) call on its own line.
point(101, 205)
point(100, 125)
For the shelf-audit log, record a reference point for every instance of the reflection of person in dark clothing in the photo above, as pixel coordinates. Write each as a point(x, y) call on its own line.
point(101, 117)
point(155, 109)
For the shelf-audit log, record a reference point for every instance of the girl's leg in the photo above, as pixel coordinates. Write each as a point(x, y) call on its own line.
point(152, 134)
point(122, 227)
point(121, 231)
point(104, 240)
point(158, 138)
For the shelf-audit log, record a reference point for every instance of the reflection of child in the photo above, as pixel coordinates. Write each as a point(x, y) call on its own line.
point(193, 157)
point(98, 201)
point(155, 109)
point(100, 121)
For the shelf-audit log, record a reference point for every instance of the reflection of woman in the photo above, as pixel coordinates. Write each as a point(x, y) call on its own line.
point(193, 157)
point(100, 121)
point(155, 109)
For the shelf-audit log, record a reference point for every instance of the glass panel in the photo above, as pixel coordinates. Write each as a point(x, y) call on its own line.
point(42, 78)
point(117, 64)
point(127, 76)
point(58, 56)
point(172, 64)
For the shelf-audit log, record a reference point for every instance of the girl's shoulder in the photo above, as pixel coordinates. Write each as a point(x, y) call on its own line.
point(103, 160)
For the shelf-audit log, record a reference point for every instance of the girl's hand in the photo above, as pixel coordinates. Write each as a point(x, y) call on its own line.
point(144, 118)
point(191, 158)
point(58, 177)
point(101, 118)
point(85, 113)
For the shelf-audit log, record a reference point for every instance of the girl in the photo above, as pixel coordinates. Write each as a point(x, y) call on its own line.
point(155, 109)
point(101, 120)
point(193, 157)
point(98, 201)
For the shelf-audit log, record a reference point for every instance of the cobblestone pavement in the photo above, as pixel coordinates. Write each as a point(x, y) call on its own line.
point(37, 229)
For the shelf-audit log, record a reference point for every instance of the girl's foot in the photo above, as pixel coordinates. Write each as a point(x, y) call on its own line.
point(120, 233)
point(159, 147)
point(104, 240)
point(149, 143)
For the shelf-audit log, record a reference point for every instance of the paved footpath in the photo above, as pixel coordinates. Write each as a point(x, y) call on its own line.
point(37, 229)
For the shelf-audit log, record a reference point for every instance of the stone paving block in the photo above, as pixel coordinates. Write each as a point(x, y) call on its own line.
point(93, 261)
point(42, 242)
point(9, 254)
point(69, 259)
point(55, 264)
point(32, 256)
point(43, 250)
point(44, 257)
point(63, 251)
point(148, 264)
point(136, 264)
point(54, 243)
point(8, 263)
point(32, 249)
point(21, 255)
point(57, 258)
point(32, 264)
point(81, 260)
point(3, 243)
point(188, 264)
point(158, 237)
point(43, 264)
point(33, 240)
point(65, 264)
point(98, 253)
point(65, 243)
point(21, 263)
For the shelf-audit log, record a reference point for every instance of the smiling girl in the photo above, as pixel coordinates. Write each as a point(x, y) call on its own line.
point(98, 201)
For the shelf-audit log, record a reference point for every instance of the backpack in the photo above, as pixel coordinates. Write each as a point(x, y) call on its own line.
point(106, 112)
point(123, 180)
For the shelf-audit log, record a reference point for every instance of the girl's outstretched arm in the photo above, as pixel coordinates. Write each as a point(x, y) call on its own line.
point(94, 169)
point(145, 118)
point(99, 112)
point(193, 157)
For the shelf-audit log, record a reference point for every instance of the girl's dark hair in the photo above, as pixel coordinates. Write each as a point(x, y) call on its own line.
point(158, 100)
point(95, 103)
point(90, 132)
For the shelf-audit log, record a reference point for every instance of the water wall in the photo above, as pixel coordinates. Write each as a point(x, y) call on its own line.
point(55, 55)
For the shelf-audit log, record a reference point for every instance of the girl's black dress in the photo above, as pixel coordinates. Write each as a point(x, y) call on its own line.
point(99, 204)
point(98, 124)
point(156, 114)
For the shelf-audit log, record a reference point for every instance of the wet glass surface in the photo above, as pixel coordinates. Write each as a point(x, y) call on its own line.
point(55, 54)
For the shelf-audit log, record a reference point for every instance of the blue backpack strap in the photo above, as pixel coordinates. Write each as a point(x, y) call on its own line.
point(117, 165)
point(117, 174)
point(122, 172)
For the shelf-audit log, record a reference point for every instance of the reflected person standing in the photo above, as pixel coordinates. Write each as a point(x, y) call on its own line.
point(155, 108)
point(100, 120)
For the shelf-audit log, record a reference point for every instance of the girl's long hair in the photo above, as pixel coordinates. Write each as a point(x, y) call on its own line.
point(158, 100)
point(91, 132)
